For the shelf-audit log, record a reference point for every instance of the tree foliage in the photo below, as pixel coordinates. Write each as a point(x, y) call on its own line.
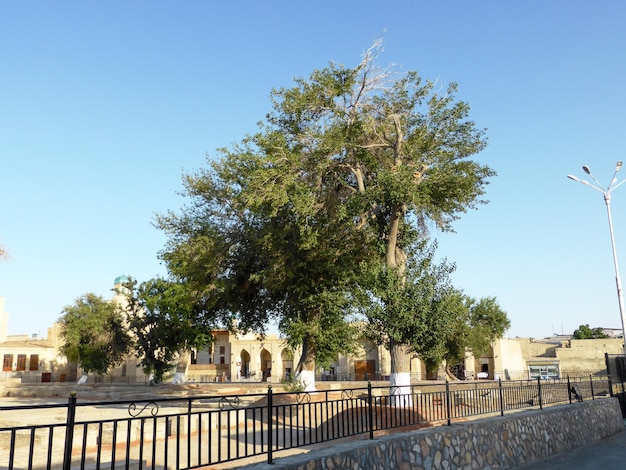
point(165, 320)
point(586, 332)
point(417, 308)
point(423, 311)
point(344, 175)
point(477, 326)
point(254, 261)
point(487, 322)
point(392, 149)
point(94, 334)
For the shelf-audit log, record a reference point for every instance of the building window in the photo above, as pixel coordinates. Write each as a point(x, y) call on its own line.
point(21, 362)
point(7, 363)
point(545, 371)
point(222, 360)
point(34, 362)
point(222, 349)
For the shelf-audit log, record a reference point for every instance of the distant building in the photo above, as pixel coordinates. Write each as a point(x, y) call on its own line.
point(31, 359)
point(247, 357)
point(548, 358)
point(613, 332)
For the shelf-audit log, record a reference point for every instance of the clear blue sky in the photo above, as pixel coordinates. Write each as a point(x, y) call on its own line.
point(103, 105)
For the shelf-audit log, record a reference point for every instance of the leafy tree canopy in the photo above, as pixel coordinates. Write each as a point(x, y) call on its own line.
point(416, 308)
point(422, 310)
point(165, 319)
point(476, 328)
point(585, 332)
point(94, 334)
point(345, 173)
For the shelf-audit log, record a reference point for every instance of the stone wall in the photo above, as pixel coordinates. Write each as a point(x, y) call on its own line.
point(491, 443)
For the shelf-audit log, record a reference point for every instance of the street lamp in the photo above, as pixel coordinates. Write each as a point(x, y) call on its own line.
point(607, 199)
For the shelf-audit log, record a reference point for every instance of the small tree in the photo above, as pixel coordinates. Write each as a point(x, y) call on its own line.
point(487, 322)
point(585, 332)
point(94, 334)
point(478, 325)
point(166, 321)
point(413, 311)
point(422, 311)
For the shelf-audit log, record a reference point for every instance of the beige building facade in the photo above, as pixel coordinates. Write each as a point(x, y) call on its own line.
point(548, 358)
point(30, 359)
point(248, 357)
point(242, 357)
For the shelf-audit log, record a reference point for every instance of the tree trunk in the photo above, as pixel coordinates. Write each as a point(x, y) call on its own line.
point(305, 372)
point(181, 368)
point(400, 378)
point(391, 256)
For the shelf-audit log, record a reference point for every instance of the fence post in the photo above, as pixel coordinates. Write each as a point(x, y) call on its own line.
point(569, 390)
point(370, 409)
point(539, 392)
point(189, 432)
point(608, 373)
point(270, 427)
point(69, 431)
point(501, 397)
point(448, 404)
point(593, 396)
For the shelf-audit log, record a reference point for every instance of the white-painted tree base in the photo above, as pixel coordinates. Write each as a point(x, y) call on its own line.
point(179, 378)
point(307, 379)
point(400, 388)
point(82, 380)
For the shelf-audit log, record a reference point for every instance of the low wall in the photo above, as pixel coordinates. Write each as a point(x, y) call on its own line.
point(501, 442)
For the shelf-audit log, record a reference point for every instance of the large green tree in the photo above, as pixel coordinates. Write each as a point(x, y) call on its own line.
point(166, 321)
point(412, 169)
point(94, 334)
point(254, 258)
point(394, 148)
point(344, 175)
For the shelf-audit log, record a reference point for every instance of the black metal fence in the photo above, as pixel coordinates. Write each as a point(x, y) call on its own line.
point(199, 376)
point(616, 368)
point(191, 432)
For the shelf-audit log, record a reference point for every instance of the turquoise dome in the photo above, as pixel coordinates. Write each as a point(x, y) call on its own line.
point(120, 280)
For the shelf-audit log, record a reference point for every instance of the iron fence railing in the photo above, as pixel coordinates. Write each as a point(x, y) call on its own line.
point(616, 370)
point(200, 376)
point(196, 431)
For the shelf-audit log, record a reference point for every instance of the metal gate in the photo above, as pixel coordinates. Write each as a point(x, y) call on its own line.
point(616, 370)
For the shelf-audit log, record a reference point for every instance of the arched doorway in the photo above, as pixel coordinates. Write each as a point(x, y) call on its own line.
point(266, 364)
point(244, 359)
point(287, 357)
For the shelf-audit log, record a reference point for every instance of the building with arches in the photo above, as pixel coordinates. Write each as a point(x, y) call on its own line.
point(242, 357)
point(248, 357)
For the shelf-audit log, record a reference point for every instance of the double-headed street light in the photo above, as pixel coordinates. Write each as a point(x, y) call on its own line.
point(607, 199)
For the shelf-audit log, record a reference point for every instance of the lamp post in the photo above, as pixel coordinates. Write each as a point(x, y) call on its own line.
point(607, 199)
